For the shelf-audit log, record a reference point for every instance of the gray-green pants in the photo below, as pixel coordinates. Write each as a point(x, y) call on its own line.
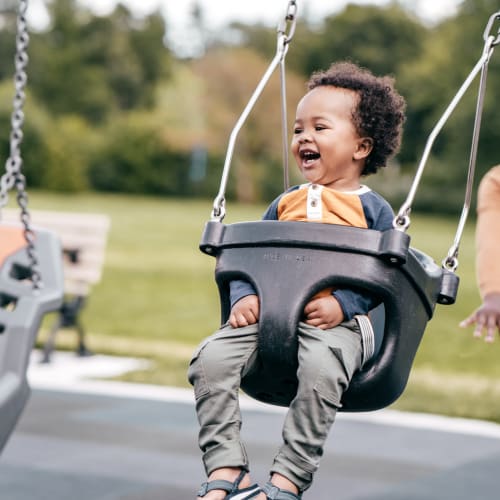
point(327, 360)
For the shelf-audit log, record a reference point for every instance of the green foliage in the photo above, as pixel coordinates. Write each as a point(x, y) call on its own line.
point(137, 158)
point(379, 38)
point(7, 43)
point(450, 52)
point(110, 108)
point(67, 155)
point(231, 77)
point(92, 66)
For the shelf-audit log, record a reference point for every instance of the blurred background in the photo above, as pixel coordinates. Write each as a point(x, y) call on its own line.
point(137, 101)
point(128, 113)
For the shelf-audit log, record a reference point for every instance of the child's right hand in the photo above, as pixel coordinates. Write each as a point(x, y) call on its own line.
point(245, 312)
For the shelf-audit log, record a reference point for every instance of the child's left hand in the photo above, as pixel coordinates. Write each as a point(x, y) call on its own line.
point(323, 312)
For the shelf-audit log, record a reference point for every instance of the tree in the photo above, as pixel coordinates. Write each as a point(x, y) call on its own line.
point(450, 52)
point(8, 18)
point(231, 76)
point(93, 66)
point(379, 38)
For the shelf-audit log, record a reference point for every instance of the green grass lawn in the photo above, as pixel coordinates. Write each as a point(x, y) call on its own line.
point(158, 299)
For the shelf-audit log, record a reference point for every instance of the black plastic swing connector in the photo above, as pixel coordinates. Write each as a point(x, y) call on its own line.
point(449, 288)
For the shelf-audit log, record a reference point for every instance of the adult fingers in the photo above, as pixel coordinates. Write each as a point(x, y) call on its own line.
point(480, 326)
point(490, 328)
point(469, 320)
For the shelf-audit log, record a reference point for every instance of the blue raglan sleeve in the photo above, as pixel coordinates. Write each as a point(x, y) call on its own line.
point(379, 216)
point(241, 288)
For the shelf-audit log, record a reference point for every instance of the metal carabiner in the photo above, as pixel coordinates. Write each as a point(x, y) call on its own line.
point(489, 27)
point(287, 26)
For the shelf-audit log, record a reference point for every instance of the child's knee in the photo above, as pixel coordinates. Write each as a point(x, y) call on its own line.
point(206, 361)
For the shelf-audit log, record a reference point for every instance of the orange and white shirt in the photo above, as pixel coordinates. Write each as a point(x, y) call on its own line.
point(315, 203)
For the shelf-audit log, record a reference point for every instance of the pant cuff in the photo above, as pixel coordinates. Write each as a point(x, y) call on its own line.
point(299, 474)
point(228, 454)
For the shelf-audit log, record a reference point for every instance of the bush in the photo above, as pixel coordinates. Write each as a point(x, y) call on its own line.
point(137, 159)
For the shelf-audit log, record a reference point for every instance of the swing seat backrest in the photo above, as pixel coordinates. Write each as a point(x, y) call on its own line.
point(21, 311)
point(288, 262)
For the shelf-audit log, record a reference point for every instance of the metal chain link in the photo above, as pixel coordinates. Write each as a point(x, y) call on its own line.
point(13, 176)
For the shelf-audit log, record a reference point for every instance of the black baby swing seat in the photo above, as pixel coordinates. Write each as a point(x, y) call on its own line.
point(289, 262)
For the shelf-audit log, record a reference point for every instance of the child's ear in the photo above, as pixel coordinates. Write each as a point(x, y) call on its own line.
point(365, 146)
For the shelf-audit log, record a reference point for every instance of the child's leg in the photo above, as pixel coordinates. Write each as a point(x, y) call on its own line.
point(327, 361)
point(215, 372)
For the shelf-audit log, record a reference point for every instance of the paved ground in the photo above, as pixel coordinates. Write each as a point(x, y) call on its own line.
point(80, 439)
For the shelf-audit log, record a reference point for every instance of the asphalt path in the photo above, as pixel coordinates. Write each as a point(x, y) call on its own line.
point(81, 439)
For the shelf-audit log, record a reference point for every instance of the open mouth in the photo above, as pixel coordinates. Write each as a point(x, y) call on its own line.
point(308, 157)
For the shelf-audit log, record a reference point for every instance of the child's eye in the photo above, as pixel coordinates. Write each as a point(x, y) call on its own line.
point(319, 127)
point(297, 130)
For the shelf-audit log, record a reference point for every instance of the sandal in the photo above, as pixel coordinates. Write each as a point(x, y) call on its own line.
point(274, 493)
point(233, 493)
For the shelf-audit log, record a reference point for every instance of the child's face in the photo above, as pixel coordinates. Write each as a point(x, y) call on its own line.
point(326, 146)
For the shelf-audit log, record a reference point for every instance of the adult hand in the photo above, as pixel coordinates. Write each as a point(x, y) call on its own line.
point(486, 318)
point(245, 312)
point(323, 312)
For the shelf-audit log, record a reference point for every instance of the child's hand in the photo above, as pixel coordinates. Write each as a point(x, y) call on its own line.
point(323, 312)
point(486, 318)
point(245, 312)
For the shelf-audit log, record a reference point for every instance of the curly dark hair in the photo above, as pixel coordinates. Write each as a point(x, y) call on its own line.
point(380, 112)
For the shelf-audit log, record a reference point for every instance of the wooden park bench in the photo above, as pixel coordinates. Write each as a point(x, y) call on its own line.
point(83, 239)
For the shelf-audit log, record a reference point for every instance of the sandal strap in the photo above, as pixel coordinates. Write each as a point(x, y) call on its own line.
point(221, 484)
point(245, 493)
point(274, 493)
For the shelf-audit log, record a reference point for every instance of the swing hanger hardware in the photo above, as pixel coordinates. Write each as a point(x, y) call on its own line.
point(451, 262)
point(286, 28)
point(285, 32)
point(402, 219)
point(489, 28)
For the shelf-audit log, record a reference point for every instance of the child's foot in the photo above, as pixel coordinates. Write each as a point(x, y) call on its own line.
point(228, 482)
point(279, 488)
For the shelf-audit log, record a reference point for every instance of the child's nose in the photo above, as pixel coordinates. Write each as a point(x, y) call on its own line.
point(304, 137)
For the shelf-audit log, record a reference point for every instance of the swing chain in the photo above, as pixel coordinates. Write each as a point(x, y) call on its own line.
point(13, 176)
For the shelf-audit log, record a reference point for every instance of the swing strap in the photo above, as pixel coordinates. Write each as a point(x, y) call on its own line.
point(286, 30)
point(402, 219)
